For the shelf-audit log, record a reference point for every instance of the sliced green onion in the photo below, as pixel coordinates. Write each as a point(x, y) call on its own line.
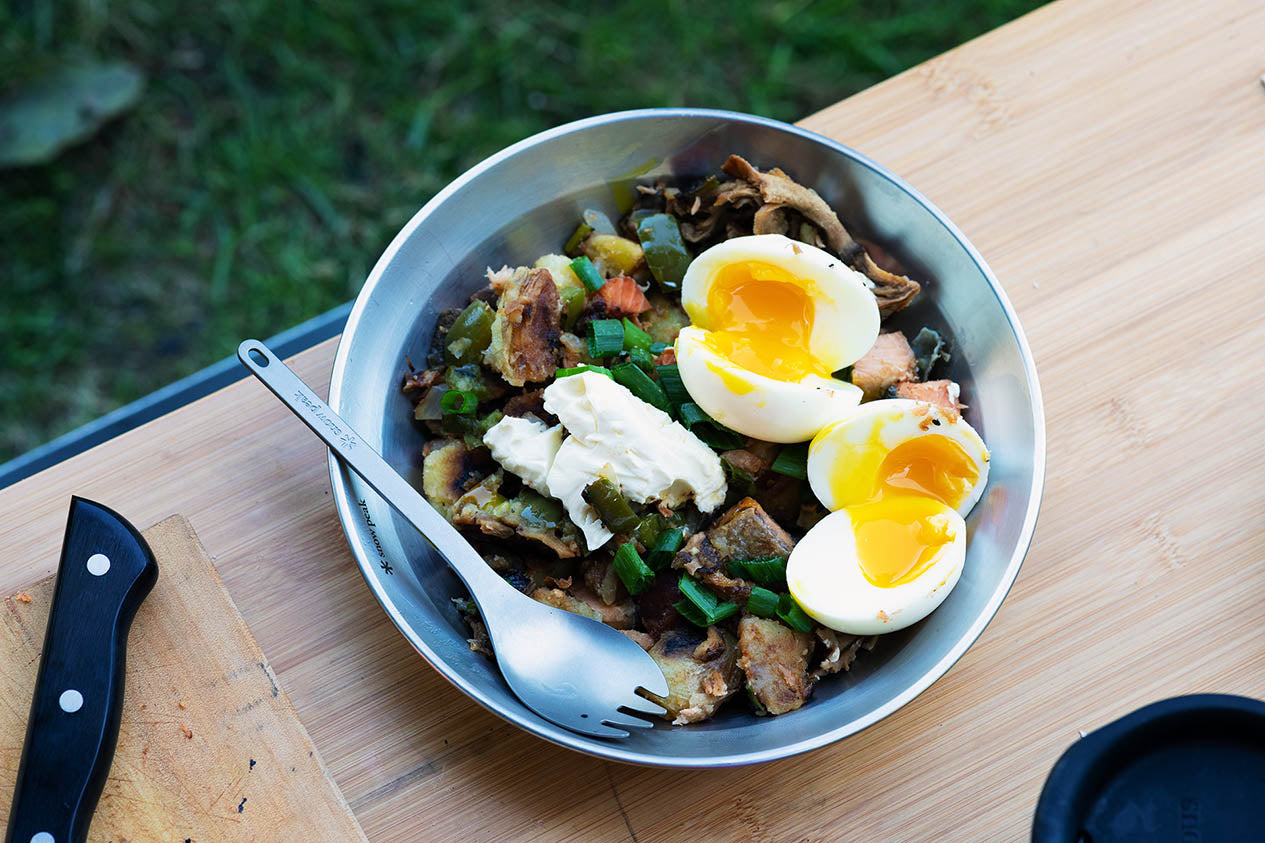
point(606, 337)
point(612, 507)
point(583, 367)
point(698, 617)
point(709, 608)
point(770, 570)
point(642, 358)
point(587, 273)
point(639, 384)
point(792, 461)
point(634, 337)
point(792, 615)
point(668, 543)
point(691, 613)
point(696, 593)
point(706, 428)
point(673, 386)
point(659, 347)
point(723, 610)
point(634, 573)
point(762, 602)
point(582, 231)
point(572, 305)
point(459, 402)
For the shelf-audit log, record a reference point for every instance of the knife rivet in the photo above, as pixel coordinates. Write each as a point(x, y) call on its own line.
point(42, 837)
point(98, 564)
point(70, 701)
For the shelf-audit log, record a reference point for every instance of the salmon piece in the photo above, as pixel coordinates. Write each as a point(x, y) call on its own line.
point(942, 393)
point(623, 298)
point(747, 461)
point(889, 361)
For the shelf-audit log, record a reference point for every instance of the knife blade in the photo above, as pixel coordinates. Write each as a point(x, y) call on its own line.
point(106, 571)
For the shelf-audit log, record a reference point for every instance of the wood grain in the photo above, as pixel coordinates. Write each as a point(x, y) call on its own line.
point(1106, 158)
point(209, 747)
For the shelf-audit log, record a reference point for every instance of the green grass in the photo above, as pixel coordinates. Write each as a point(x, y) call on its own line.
point(280, 144)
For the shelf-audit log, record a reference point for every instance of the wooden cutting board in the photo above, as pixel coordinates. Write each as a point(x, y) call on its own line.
point(210, 748)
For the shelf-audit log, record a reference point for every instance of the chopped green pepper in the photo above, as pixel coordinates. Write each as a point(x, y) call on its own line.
point(611, 505)
point(572, 305)
point(470, 428)
point(470, 335)
point(648, 530)
point(665, 251)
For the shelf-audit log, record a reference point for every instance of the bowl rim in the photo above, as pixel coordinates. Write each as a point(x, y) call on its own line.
point(614, 750)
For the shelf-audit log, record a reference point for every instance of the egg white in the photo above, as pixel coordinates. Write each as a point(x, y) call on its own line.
point(845, 318)
point(825, 577)
point(855, 445)
point(755, 405)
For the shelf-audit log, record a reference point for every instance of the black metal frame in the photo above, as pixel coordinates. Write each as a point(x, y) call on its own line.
point(170, 397)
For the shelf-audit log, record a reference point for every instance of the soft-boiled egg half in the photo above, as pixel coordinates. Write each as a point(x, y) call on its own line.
point(899, 476)
point(772, 320)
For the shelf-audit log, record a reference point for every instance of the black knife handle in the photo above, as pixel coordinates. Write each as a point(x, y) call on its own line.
point(105, 572)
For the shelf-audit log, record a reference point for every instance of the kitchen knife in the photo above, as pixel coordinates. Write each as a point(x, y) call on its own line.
point(106, 570)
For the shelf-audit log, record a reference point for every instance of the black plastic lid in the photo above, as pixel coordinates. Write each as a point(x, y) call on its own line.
point(1189, 769)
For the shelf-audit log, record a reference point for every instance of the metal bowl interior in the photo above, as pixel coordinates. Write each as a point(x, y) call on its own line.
point(524, 202)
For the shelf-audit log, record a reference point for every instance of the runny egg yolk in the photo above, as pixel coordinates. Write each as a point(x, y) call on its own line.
point(902, 527)
point(898, 537)
point(760, 317)
point(930, 465)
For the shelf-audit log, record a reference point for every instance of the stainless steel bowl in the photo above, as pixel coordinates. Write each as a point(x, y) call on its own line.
point(524, 202)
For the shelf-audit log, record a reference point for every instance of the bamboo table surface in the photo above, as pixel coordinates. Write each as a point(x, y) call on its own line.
point(1108, 160)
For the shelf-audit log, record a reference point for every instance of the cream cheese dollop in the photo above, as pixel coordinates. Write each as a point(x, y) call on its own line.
point(616, 435)
point(610, 433)
point(525, 446)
